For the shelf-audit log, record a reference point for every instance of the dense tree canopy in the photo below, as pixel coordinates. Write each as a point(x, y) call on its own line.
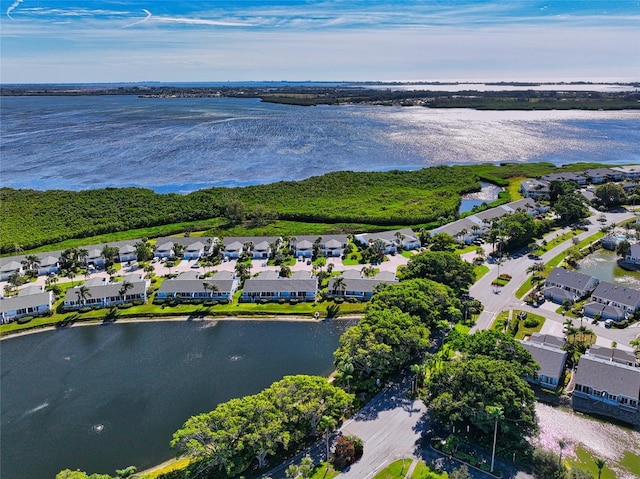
point(571, 207)
point(496, 345)
point(460, 391)
point(394, 329)
point(488, 372)
point(611, 194)
point(380, 343)
point(240, 431)
point(441, 266)
point(427, 300)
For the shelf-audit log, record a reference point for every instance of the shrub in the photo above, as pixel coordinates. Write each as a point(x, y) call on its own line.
point(338, 300)
point(348, 449)
point(24, 319)
point(223, 301)
point(531, 322)
point(84, 309)
point(293, 301)
point(125, 306)
point(282, 301)
point(353, 300)
point(621, 324)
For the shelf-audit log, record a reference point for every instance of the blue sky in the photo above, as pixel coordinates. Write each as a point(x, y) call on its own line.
point(43, 41)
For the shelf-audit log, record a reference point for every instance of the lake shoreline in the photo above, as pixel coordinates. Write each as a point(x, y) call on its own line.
point(182, 318)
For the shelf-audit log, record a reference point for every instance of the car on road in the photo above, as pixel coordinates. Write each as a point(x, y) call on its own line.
point(608, 323)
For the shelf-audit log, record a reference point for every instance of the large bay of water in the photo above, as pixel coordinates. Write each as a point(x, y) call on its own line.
point(105, 397)
point(181, 145)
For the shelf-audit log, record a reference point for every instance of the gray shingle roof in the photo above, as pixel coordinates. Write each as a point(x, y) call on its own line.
point(23, 301)
point(616, 293)
point(548, 340)
point(550, 359)
point(271, 283)
point(613, 354)
point(569, 279)
point(604, 375)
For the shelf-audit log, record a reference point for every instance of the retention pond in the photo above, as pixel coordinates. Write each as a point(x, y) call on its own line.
point(99, 398)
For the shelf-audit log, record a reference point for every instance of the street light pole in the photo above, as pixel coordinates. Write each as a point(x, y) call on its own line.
point(496, 412)
point(495, 437)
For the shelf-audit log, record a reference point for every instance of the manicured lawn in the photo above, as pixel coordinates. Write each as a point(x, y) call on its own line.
point(172, 466)
point(321, 472)
point(397, 469)
point(523, 330)
point(462, 328)
point(480, 270)
point(424, 471)
point(151, 310)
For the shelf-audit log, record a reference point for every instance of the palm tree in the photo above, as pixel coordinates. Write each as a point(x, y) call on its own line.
point(31, 262)
point(635, 344)
point(126, 286)
point(600, 465)
point(149, 269)
point(83, 254)
point(326, 425)
point(243, 271)
point(339, 285)
point(83, 293)
point(111, 271)
point(210, 287)
point(562, 444)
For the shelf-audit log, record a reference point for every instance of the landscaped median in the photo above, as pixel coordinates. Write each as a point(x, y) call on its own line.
point(465, 453)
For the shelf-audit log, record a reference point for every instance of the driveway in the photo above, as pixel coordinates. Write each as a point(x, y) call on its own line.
point(500, 299)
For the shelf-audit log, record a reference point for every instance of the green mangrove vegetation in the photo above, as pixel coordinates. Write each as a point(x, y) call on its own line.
point(340, 201)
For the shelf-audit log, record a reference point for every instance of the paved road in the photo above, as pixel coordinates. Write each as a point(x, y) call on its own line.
point(390, 427)
point(505, 299)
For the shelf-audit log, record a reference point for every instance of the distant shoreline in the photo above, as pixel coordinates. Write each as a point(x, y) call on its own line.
point(498, 96)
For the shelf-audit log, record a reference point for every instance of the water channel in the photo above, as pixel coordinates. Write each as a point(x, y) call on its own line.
point(99, 398)
point(488, 193)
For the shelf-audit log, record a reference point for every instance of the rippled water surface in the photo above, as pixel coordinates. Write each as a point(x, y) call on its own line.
point(602, 264)
point(604, 440)
point(101, 398)
point(185, 144)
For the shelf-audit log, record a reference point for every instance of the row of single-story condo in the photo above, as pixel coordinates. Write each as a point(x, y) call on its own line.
point(102, 293)
point(393, 241)
point(331, 246)
point(189, 285)
point(31, 300)
point(609, 380)
point(540, 188)
point(607, 300)
point(257, 247)
point(269, 286)
point(547, 351)
point(563, 284)
point(352, 284)
point(470, 228)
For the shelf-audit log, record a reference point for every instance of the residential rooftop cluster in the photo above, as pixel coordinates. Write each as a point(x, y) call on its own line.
point(605, 300)
point(540, 188)
point(608, 377)
point(302, 286)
